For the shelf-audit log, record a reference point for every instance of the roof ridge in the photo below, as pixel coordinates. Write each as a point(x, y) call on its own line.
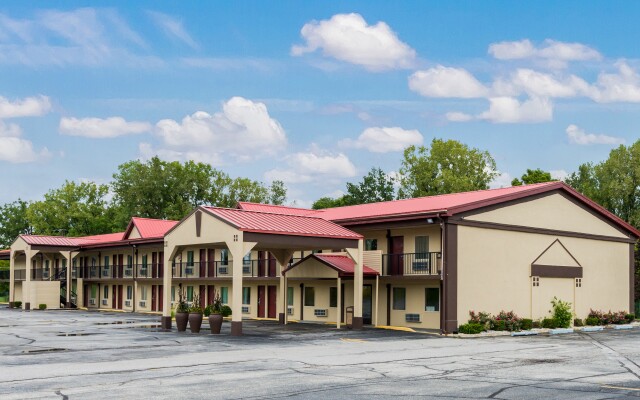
point(155, 219)
point(274, 205)
point(268, 212)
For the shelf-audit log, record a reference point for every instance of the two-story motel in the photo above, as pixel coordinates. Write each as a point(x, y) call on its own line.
point(422, 263)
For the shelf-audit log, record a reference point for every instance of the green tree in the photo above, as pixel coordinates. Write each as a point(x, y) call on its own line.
point(244, 189)
point(375, 186)
point(448, 166)
point(277, 193)
point(328, 202)
point(532, 176)
point(13, 222)
point(75, 209)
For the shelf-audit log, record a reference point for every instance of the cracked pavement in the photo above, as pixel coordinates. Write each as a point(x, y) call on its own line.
point(70, 354)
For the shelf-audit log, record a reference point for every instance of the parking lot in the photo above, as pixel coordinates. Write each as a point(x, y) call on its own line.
point(79, 355)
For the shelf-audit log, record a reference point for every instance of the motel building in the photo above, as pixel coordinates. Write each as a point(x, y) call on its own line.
point(421, 263)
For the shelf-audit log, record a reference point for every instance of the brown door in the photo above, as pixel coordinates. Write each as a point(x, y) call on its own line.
point(160, 294)
point(202, 293)
point(273, 295)
point(121, 265)
point(203, 262)
point(153, 297)
point(154, 265)
point(85, 295)
point(397, 255)
point(211, 264)
point(272, 265)
point(261, 301)
point(211, 293)
point(161, 265)
point(261, 263)
point(114, 296)
point(119, 297)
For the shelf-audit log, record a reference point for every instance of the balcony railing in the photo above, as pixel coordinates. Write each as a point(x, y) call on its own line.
point(149, 271)
point(219, 269)
point(411, 264)
point(20, 274)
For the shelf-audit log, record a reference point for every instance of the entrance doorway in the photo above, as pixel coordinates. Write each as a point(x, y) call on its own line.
point(367, 304)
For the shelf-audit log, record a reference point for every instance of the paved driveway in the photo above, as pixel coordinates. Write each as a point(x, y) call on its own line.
point(79, 355)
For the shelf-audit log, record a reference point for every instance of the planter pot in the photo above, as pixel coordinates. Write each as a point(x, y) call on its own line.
point(181, 321)
point(195, 322)
point(215, 323)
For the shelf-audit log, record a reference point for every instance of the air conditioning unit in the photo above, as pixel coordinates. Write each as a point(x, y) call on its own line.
point(45, 274)
point(143, 303)
point(92, 302)
point(105, 302)
point(246, 269)
point(289, 310)
point(127, 303)
point(246, 309)
point(223, 270)
point(412, 317)
point(188, 271)
point(105, 272)
point(320, 312)
point(143, 273)
point(128, 272)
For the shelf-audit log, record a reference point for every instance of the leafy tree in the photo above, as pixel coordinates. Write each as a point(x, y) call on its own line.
point(244, 189)
point(532, 176)
point(328, 202)
point(13, 222)
point(75, 209)
point(375, 186)
point(277, 193)
point(448, 166)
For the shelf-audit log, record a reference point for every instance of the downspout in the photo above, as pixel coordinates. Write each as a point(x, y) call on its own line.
point(135, 276)
point(443, 309)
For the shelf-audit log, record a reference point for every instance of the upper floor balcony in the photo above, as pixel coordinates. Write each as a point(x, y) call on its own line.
point(412, 264)
point(264, 268)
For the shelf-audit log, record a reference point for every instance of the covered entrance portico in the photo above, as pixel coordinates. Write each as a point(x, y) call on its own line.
point(240, 232)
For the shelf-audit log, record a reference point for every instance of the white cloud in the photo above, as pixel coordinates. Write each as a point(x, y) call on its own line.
point(559, 174)
point(243, 131)
point(16, 150)
point(313, 165)
point(456, 116)
point(577, 135)
point(623, 86)
point(502, 180)
point(540, 84)
point(511, 110)
point(98, 128)
point(552, 53)
point(384, 139)
point(443, 81)
point(173, 28)
point(348, 37)
point(27, 107)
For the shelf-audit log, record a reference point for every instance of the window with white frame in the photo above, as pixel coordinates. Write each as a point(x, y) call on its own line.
point(129, 292)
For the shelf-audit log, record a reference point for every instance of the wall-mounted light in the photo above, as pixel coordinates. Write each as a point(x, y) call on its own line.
point(429, 220)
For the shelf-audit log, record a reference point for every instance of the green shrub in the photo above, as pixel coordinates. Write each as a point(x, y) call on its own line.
point(225, 311)
point(578, 322)
point(562, 312)
point(592, 321)
point(17, 304)
point(526, 324)
point(536, 324)
point(42, 306)
point(606, 318)
point(482, 318)
point(499, 325)
point(471, 328)
point(630, 318)
point(549, 323)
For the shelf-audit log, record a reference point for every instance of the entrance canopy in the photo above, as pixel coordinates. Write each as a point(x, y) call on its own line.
point(327, 266)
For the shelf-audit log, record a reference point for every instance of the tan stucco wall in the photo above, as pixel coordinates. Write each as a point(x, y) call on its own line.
point(557, 255)
point(44, 292)
point(494, 273)
point(415, 304)
point(312, 268)
point(18, 292)
point(430, 230)
point(134, 234)
point(549, 212)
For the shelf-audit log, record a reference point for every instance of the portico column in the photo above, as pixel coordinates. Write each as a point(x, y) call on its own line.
point(375, 304)
point(26, 302)
point(12, 277)
point(356, 255)
point(339, 303)
point(67, 256)
point(238, 249)
point(282, 259)
point(165, 320)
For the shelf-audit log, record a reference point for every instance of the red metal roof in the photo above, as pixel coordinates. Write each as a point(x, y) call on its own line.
point(270, 208)
point(5, 254)
point(43, 240)
point(341, 263)
point(150, 228)
point(281, 224)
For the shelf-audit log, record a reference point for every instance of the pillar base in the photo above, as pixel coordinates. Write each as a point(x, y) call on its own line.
point(27, 306)
point(357, 323)
point(451, 326)
point(281, 318)
point(11, 304)
point(236, 328)
point(165, 322)
point(67, 304)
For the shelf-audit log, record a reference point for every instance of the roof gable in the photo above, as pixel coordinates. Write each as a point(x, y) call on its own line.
point(148, 227)
point(342, 264)
point(556, 255)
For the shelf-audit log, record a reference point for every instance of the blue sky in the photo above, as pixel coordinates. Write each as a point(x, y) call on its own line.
point(313, 93)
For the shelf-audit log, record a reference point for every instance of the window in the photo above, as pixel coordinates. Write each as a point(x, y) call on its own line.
point(536, 281)
point(224, 295)
point(246, 295)
point(93, 261)
point(432, 299)
point(371, 244)
point(143, 293)
point(422, 247)
point(224, 257)
point(246, 260)
point(173, 293)
point(129, 292)
point(64, 263)
point(189, 293)
point(94, 291)
point(399, 298)
point(309, 297)
point(105, 292)
point(145, 260)
point(290, 296)
point(333, 297)
point(189, 258)
point(129, 261)
point(578, 282)
point(46, 264)
point(316, 251)
point(106, 261)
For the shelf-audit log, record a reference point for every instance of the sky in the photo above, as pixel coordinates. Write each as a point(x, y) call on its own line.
point(311, 93)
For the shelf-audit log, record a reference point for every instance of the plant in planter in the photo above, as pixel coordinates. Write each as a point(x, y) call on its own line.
point(214, 312)
point(182, 312)
point(195, 315)
point(226, 311)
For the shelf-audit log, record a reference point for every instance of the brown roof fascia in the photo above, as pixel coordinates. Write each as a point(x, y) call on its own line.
point(341, 273)
point(121, 243)
point(390, 218)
